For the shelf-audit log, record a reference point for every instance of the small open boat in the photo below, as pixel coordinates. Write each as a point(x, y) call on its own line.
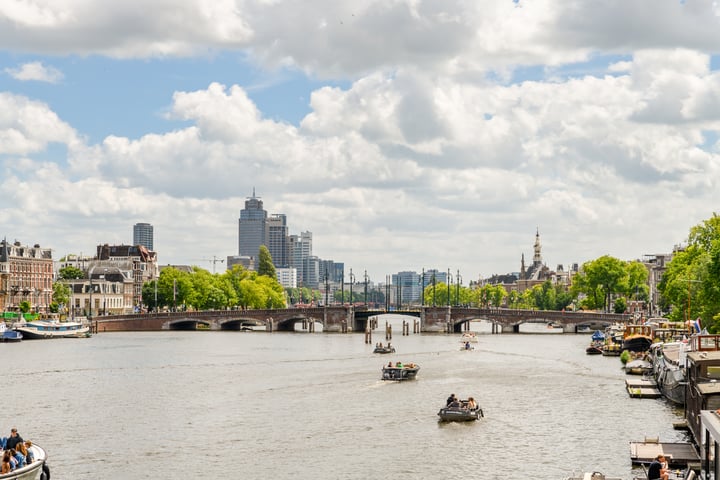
point(595, 348)
point(469, 337)
point(387, 349)
point(399, 373)
point(460, 414)
point(37, 470)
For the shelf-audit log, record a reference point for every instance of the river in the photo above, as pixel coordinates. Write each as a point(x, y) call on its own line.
point(256, 405)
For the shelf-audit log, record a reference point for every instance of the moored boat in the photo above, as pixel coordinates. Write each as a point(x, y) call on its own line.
point(591, 476)
point(639, 366)
point(669, 371)
point(8, 335)
point(637, 338)
point(703, 381)
point(400, 371)
point(37, 470)
point(37, 329)
point(595, 348)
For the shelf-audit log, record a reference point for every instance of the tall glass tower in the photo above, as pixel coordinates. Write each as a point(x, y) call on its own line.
point(252, 227)
point(143, 235)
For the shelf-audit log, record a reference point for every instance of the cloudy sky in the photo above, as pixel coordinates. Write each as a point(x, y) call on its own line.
point(404, 134)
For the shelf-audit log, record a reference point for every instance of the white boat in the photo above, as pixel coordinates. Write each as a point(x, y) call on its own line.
point(469, 337)
point(8, 335)
point(37, 470)
point(51, 329)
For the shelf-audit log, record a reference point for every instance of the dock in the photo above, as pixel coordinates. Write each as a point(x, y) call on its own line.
point(642, 388)
point(678, 454)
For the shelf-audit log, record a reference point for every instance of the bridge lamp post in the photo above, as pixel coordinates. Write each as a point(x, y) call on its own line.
point(352, 280)
point(449, 281)
point(366, 281)
point(422, 288)
point(327, 286)
point(458, 281)
point(342, 286)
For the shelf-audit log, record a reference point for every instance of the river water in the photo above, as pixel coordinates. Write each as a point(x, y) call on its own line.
point(256, 405)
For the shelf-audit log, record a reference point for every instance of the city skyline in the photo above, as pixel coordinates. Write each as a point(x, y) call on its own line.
point(403, 135)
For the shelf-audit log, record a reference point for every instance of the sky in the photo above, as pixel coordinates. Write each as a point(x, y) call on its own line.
point(404, 134)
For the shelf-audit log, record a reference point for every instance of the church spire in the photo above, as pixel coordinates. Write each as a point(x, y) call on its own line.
point(537, 258)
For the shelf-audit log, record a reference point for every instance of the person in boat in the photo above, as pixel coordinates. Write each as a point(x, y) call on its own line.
point(657, 469)
point(398, 364)
point(450, 400)
point(29, 457)
point(19, 457)
point(6, 466)
point(471, 404)
point(390, 365)
point(467, 345)
point(13, 439)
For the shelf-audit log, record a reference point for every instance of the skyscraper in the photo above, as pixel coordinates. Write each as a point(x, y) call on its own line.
point(143, 235)
point(252, 227)
point(278, 241)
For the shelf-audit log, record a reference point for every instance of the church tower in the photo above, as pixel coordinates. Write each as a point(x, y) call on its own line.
point(537, 258)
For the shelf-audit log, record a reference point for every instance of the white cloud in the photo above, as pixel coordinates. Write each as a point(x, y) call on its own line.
point(35, 71)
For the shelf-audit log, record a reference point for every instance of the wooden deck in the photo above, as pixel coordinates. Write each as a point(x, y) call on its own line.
point(642, 388)
point(678, 455)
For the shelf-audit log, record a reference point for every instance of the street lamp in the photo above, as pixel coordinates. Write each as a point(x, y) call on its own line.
point(458, 281)
point(352, 280)
point(434, 279)
point(366, 280)
point(449, 281)
point(422, 288)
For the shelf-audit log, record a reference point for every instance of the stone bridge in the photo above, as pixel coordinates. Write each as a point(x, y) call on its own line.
point(343, 319)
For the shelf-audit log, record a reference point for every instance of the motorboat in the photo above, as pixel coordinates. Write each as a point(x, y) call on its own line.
point(8, 335)
point(37, 470)
point(612, 349)
point(639, 366)
point(381, 349)
point(37, 329)
point(637, 338)
point(598, 336)
point(400, 371)
point(460, 414)
point(595, 348)
point(469, 337)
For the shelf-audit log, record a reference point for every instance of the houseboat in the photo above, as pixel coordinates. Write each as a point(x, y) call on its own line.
point(702, 391)
point(637, 338)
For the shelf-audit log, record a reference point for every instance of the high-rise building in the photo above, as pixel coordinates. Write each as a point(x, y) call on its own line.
point(143, 235)
point(278, 241)
point(252, 228)
point(300, 251)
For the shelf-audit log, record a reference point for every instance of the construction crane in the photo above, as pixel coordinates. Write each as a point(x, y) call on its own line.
point(213, 260)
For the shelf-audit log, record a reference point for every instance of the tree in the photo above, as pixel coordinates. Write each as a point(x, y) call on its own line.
point(61, 293)
point(601, 278)
point(265, 263)
point(69, 272)
point(689, 287)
